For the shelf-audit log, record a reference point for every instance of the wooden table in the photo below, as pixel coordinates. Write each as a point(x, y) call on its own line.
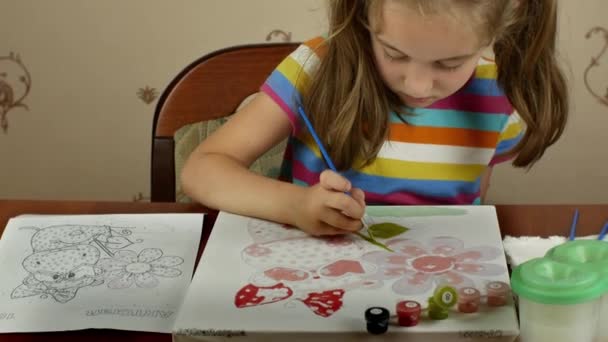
point(515, 220)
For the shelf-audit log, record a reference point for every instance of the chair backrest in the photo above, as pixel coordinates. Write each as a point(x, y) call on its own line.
point(209, 88)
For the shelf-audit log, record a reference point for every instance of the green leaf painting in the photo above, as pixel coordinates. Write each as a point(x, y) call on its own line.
point(373, 241)
point(386, 230)
point(382, 231)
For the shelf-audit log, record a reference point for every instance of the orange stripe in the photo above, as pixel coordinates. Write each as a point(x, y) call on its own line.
point(442, 136)
point(316, 45)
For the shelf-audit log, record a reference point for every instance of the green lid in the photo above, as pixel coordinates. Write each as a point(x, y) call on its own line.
point(546, 281)
point(591, 255)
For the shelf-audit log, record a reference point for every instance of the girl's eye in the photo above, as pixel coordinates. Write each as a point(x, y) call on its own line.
point(447, 67)
point(392, 57)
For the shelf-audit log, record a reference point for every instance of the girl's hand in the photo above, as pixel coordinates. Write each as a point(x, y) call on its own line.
point(328, 210)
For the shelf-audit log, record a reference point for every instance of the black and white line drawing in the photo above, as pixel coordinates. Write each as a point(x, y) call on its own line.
point(66, 258)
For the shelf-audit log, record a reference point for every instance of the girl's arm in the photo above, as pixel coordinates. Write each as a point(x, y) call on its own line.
point(216, 174)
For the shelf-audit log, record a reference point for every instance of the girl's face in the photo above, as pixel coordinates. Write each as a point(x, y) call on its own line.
point(423, 58)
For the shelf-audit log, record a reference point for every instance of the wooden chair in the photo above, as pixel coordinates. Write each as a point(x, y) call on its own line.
point(209, 88)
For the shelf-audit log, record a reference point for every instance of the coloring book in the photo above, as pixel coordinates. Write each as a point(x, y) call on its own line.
point(76, 272)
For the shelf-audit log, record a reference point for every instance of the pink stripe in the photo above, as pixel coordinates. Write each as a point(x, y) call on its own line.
point(301, 173)
point(475, 103)
point(290, 114)
point(404, 198)
point(501, 159)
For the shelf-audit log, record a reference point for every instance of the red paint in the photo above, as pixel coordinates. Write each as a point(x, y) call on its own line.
point(342, 267)
point(497, 293)
point(325, 303)
point(251, 295)
point(408, 313)
point(432, 264)
point(468, 300)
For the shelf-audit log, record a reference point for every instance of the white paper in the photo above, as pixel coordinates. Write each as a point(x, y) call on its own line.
point(264, 281)
point(524, 248)
point(76, 272)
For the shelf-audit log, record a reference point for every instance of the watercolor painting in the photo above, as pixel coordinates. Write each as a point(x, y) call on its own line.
point(294, 267)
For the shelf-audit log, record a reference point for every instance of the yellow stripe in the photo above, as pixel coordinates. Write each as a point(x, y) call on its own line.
point(512, 131)
point(310, 143)
point(486, 71)
point(413, 170)
point(419, 170)
point(293, 71)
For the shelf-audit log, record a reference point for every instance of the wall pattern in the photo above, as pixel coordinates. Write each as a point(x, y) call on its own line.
point(15, 85)
point(147, 95)
point(599, 93)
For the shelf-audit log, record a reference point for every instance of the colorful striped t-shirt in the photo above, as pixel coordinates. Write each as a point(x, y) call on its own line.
point(437, 157)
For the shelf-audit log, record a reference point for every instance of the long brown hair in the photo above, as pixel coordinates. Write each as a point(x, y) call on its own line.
point(530, 76)
point(349, 104)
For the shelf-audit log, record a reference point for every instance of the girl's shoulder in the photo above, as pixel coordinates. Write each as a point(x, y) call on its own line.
point(486, 69)
point(310, 51)
point(316, 43)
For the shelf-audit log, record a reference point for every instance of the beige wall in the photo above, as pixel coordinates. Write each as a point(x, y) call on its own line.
point(86, 133)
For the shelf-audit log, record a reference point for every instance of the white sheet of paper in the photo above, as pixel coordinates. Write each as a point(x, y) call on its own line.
point(73, 272)
point(267, 282)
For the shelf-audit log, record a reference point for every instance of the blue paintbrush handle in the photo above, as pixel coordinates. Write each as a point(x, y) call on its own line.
point(603, 232)
point(573, 225)
point(317, 140)
point(323, 151)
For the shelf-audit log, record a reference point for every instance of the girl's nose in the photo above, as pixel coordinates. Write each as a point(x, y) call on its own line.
point(418, 81)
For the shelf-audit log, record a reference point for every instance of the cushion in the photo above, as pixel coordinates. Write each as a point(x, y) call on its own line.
point(187, 138)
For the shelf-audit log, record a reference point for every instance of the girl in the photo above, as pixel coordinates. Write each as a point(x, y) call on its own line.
point(407, 108)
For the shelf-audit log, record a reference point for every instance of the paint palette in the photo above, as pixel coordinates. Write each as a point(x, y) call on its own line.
point(564, 295)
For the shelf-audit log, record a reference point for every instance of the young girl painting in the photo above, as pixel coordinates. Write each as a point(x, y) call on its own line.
point(407, 108)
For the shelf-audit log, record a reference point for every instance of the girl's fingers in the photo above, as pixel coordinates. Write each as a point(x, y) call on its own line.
point(359, 196)
point(340, 221)
point(324, 229)
point(345, 204)
point(332, 181)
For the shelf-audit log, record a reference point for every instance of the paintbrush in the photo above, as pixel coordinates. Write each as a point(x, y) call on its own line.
point(326, 157)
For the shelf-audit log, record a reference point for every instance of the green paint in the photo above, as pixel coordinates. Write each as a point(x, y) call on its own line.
point(386, 230)
point(373, 241)
point(401, 211)
point(389, 230)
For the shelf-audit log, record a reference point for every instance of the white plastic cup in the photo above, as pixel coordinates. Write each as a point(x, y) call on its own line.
point(602, 328)
point(558, 323)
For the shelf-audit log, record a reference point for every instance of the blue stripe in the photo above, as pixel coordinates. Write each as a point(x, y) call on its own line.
point(307, 157)
point(484, 86)
point(299, 182)
point(284, 89)
point(506, 145)
point(453, 119)
point(386, 185)
point(435, 188)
